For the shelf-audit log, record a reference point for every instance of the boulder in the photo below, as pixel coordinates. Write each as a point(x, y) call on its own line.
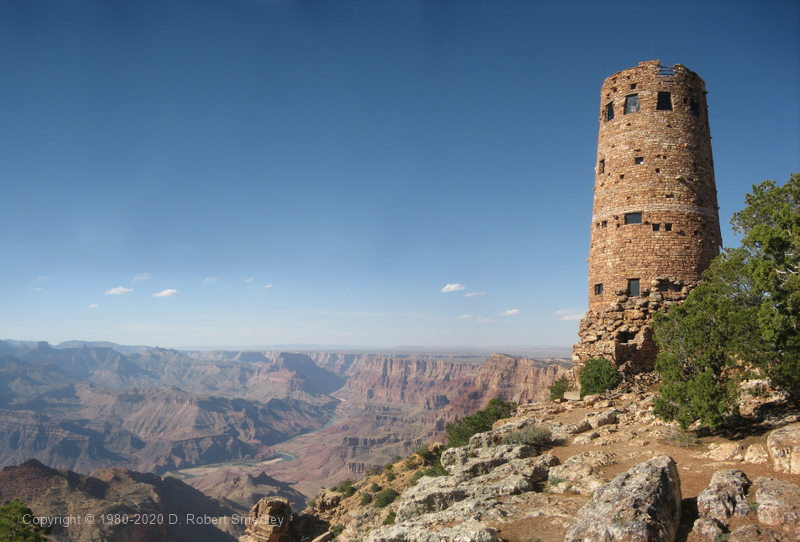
point(758, 533)
point(604, 418)
point(642, 504)
point(784, 448)
point(268, 521)
point(725, 495)
point(328, 500)
point(779, 504)
point(708, 530)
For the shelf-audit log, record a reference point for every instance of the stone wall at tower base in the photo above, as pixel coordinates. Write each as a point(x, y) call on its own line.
point(622, 332)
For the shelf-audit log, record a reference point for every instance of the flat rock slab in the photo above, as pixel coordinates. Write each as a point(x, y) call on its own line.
point(642, 504)
point(779, 504)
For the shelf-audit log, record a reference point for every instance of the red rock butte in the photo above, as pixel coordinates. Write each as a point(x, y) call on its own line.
point(655, 223)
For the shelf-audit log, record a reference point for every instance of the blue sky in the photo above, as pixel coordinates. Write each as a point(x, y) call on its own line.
point(318, 172)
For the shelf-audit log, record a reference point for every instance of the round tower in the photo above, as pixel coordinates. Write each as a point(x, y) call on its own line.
point(655, 224)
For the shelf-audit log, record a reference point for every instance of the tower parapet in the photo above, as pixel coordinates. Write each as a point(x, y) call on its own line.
point(655, 224)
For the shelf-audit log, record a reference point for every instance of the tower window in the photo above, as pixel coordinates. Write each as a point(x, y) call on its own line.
point(638, 160)
point(632, 104)
point(667, 227)
point(601, 166)
point(626, 337)
point(664, 287)
point(633, 218)
point(633, 287)
point(610, 111)
point(656, 227)
point(598, 289)
point(664, 101)
point(693, 108)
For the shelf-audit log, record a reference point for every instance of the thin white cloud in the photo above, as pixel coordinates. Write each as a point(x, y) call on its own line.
point(465, 316)
point(40, 280)
point(93, 306)
point(167, 293)
point(249, 280)
point(210, 280)
point(474, 294)
point(142, 277)
point(118, 290)
point(509, 313)
point(268, 286)
point(570, 314)
point(34, 289)
point(452, 288)
point(482, 320)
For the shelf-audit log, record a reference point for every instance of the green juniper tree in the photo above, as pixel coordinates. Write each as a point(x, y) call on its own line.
point(742, 320)
point(16, 524)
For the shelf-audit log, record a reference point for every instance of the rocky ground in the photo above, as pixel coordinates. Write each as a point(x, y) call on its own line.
point(615, 473)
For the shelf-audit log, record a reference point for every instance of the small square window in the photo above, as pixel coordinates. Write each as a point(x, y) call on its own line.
point(638, 160)
point(694, 108)
point(627, 336)
point(601, 166)
point(609, 111)
point(667, 227)
point(656, 227)
point(664, 101)
point(633, 287)
point(664, 287)
point(604, 223)
point(598, 289)
point(632, 104)
point(633, 218)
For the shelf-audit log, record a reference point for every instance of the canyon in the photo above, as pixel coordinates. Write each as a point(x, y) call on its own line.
point(85, 407)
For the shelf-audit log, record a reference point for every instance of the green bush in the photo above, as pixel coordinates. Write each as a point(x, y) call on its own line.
point(436, 470)
point(345, 487)
point(372, 471)
point(390, 518)
point(459, 433)
point(336, 530)
point(559, 387)
point(537, 436)
point(682, 439)
point(375, 487)
point(388, 466)
point(390, 475)
point(426, 455)
point(597, 376)
point(366, 499)
point(411, 463)
point(15, 528)
point(741, 321)
point(415, 478)
point(386, 497)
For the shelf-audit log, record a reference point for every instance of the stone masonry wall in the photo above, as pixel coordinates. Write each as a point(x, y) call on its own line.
point(655, 215)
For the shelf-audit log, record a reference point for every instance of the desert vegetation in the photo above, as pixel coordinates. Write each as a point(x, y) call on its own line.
point(741, 322)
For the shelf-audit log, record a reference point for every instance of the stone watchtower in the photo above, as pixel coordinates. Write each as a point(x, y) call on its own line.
point(655, 224)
